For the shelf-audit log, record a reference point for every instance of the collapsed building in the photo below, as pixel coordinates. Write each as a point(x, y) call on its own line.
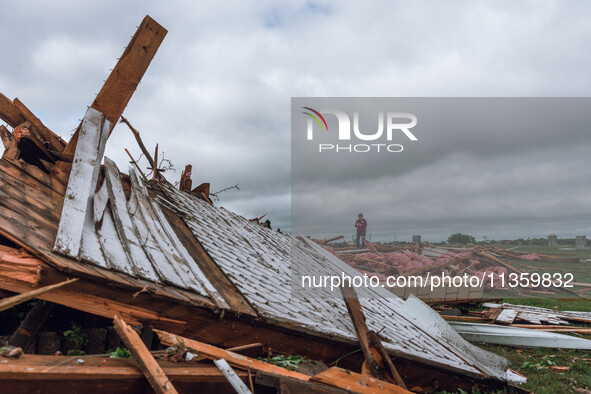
point(168, 258)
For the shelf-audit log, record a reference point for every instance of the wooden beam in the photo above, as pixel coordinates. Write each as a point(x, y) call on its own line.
point(64, 374)
point(10, 302)
point(152, 371)
point(214, 353)
point(125, 77)
point(55, 142)
point(27, 331)
point(378, 361)
point(358, 319)
point(129, 70)
point(9, 112)
point(355, 382)
point(5, 135)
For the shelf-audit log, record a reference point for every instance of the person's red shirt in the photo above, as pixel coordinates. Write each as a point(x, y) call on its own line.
point(361, 225)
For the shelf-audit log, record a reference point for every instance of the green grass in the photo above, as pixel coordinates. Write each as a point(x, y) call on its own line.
point(536, 364)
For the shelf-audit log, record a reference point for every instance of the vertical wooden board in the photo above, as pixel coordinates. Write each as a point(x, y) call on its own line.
point(83, 178)
point(152, 371)
point(129, 70)
point(132, 245)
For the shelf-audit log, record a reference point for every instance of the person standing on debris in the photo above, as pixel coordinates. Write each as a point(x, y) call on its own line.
point(361, 226)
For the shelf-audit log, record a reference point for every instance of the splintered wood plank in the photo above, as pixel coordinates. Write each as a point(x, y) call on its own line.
point(238, 360)
point(9, 302)
point(83, 179)
point(232, 377)
point(19, 265)
point(5, 135)
point(125, 77)
point(355, 382)
point(358, 319)
point(55, 142)
point(128, 237)
point(152, 371)
point(9, 112)
point(119, 87)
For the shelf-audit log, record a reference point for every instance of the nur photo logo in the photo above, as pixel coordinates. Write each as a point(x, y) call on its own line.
point(389, 125)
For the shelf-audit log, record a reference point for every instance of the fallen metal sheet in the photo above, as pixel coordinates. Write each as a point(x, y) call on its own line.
point(260, 262)
point(515, 336)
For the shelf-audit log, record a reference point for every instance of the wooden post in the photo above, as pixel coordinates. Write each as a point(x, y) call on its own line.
point(376, 356)
point(152, 371)
point(186, 182)
point(125, 77)
point(29, 327)
point(358, 319)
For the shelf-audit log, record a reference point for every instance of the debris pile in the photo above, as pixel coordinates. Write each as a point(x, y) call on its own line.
point(134, 248)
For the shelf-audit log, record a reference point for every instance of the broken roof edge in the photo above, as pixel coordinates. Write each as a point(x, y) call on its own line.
point(494, 366)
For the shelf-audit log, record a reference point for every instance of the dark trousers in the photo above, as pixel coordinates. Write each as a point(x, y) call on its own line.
point(361, 236)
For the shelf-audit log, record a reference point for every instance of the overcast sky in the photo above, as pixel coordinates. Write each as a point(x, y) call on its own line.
point(217, 94)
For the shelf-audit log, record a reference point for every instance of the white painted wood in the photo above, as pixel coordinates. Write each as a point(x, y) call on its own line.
point(91, 247)
point(115, 256)
point(190, 265)
point(140, 263)
point(507, 316)
point(232, 377)
point(161, 254)
point(90, 148)
point(101, 198)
